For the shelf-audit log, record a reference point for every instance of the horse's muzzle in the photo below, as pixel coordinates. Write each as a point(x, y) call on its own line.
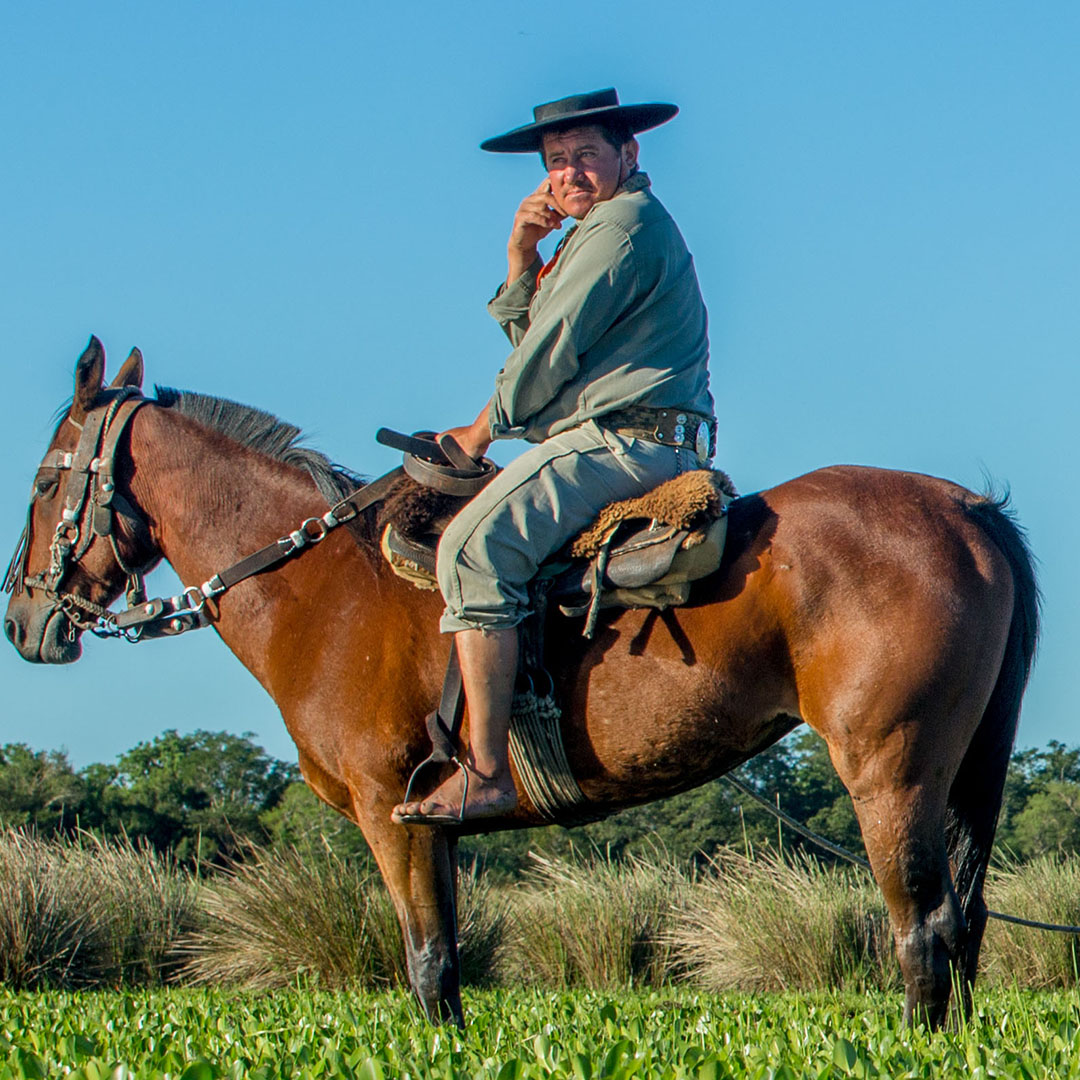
point(41, 633)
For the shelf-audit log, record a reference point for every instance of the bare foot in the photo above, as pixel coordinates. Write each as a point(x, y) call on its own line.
point(487, 796)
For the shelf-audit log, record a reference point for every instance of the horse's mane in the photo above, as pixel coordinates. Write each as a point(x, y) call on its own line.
point(263, 432)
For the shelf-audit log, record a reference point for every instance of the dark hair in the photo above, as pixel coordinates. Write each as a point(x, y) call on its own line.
point(615, 133)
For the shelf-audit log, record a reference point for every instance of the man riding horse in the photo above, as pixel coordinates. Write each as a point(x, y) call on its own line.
point(608, 376)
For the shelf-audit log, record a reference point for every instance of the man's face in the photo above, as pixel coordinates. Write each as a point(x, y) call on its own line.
point(585, 169)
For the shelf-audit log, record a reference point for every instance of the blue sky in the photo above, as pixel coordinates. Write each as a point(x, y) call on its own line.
point(284, 204)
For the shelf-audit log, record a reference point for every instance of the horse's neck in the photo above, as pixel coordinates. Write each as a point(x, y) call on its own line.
point(211, 503)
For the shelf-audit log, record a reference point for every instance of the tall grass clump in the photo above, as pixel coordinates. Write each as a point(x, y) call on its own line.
point(284, 914)
point(484, 921)
point(1046, 888)
point(149, 903)
point(82, 912)
point(46, 919)
point(280, 915)
point(594, 922)
point(772, 922)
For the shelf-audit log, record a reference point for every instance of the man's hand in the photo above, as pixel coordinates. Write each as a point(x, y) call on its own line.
point(474, 438)
point(535, 218)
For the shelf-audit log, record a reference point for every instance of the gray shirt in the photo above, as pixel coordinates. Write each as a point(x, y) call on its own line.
point(619, 320)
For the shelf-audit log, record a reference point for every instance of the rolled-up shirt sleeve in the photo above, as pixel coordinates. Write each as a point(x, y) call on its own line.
point(510, 304)
point(595, 285)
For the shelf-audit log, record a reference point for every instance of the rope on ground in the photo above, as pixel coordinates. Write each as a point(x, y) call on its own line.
point(843, 853)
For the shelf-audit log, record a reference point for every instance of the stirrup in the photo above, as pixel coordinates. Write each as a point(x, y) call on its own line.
point(435, 819)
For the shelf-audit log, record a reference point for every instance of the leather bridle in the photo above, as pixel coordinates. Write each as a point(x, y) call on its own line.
point(91, 506)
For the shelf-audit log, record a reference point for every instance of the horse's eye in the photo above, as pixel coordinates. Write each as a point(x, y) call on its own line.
point(44, 485)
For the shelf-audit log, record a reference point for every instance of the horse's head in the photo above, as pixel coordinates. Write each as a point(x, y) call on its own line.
point(83, 538)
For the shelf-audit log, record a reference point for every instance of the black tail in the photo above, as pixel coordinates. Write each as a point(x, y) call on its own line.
point(975, 797)
point(993, 516)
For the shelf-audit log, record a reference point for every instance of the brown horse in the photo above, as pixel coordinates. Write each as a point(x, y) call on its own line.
point(894, 613)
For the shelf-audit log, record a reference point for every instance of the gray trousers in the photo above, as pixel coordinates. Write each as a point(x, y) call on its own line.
point(491, 550)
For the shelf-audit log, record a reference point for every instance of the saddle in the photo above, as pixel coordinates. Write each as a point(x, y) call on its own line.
point(641, 552)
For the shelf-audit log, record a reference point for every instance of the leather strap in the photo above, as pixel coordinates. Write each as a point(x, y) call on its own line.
point(422, 444)
point(450, 480)
point(454, 452)
point(280, 550)
point(445, 722)
point(443, 725)
point(445, 468)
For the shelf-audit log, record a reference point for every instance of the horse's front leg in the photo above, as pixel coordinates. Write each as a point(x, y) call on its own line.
point(419, 866)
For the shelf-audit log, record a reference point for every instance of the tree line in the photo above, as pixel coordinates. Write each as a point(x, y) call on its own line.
point(206, 797)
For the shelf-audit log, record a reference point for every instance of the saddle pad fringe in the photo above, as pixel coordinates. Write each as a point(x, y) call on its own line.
point(684, 502)
point(537, 750)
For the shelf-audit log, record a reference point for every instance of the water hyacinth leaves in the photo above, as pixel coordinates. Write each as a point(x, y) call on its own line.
point(673, 1034)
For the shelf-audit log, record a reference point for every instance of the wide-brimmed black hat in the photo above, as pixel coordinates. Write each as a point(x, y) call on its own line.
point(595, 107)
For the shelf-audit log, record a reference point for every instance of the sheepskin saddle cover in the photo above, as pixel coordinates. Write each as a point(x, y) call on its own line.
point(688, 502)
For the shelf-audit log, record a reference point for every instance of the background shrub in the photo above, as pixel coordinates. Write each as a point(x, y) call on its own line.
point(78, 912)
point(46, 920)
point(285, 914)
point(281, 914)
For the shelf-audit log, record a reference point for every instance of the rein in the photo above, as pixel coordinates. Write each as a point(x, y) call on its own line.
point(91, 503)
point(187, 611)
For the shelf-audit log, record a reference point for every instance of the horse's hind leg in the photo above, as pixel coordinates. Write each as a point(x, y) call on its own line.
point(903, 829)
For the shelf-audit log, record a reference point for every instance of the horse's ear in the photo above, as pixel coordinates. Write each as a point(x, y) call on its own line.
point(131, 374)
point(89, 378)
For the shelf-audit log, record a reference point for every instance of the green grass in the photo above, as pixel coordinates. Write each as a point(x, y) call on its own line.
point(201, 1034)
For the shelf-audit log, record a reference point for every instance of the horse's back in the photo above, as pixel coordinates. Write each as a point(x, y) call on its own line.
point(894, 538)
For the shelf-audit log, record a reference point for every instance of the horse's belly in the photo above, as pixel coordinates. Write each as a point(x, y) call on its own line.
point(643, 726)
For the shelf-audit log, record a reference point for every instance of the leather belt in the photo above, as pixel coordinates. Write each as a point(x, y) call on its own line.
point(680, 428)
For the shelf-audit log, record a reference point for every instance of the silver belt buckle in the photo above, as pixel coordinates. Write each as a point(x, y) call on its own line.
point(701, 443)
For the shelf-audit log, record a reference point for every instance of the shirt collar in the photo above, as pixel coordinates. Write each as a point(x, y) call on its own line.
point(638, 182)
